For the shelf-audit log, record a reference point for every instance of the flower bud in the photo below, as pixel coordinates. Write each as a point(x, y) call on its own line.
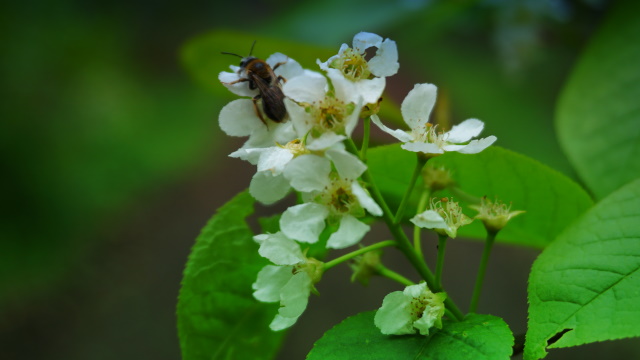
point(436, 178)
point(494, 214)
point(365, 266)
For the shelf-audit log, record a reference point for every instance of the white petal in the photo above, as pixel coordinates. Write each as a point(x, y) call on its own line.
point(325, 141)
point(430, 220)
point(426, 148)
point(281, 250)
point(271, 279)
point(325, 65)
point(427, 320)
point(365, 200)
point(465, 131)
point(238, 118)
point(295, 295)
point(240, 88)
point(347, 164)
point(250, 155)
point(364, 40)
point(415, 291)
point(306, 88)
point(385, 62)
point(282, 132)
point(304, 222)
point(350, 232)
point(477, 146)
point(274, 159)
point(417, 106)
point(352, 120)
point(260, 238)
point(308, 172)
point(268, 188)
point(371, 89)
point(281, 323)
point(345, 89)
point(301, 120)
point(398, 134)
point(394, 316)
point(288, 70)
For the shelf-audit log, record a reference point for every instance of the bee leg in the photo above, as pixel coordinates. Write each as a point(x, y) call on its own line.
point(280, 63)
point(281, 78)
point(257, 109)
point(237, 81)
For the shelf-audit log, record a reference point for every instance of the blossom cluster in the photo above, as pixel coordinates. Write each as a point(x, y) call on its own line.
point(305, 152)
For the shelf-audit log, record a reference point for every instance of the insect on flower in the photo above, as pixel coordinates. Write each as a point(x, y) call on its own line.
point(261, 76)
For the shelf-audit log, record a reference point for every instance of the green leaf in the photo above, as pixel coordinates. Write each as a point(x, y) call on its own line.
point(551, 200)
point(476, 337)
point(585, 286)
point(218, 318)
point(599, 111)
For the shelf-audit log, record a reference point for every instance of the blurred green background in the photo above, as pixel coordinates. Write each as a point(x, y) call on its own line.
point(113, 159)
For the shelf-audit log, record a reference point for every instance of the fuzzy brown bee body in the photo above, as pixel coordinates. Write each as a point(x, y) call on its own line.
point(261, 76)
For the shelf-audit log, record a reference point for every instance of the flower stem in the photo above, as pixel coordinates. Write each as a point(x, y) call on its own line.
point(390, 274)
point(351, 255)
point(488, 245)
point(365, 139)
point(421, 161)
point(442, 243)
point(422, 205)
point(403, 243)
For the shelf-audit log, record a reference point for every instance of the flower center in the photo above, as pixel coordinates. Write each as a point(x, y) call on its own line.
point(330, 114)
point(352, 64)
point(451, 212)
point(418, 305)
point(430, 135)
point(296, 147)
point(339, 198)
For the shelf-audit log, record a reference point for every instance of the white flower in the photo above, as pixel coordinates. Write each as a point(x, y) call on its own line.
point(424, 137)
point(366, 78)
point(415, 308)
point(314, 108)
point(444, 219)
point(269, 184)
point(239, 117)
point(289, 281)
point(337, 197)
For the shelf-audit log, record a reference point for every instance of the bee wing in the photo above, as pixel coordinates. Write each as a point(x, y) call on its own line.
point(272, 99)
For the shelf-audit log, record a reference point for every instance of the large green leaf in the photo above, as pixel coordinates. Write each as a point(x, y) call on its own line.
point(550, 199)
point(218, 318)
point(476, 337)
point(599, 111)
point(585, 286)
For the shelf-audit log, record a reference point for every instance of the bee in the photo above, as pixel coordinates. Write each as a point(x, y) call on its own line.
point(262, 77)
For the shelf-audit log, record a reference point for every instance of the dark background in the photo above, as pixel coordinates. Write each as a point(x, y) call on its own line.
point(113, 160)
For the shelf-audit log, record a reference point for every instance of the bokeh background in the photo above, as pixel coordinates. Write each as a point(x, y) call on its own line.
point(113, 159)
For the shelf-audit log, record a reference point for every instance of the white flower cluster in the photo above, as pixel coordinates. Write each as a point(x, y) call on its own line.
point(305, 151)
